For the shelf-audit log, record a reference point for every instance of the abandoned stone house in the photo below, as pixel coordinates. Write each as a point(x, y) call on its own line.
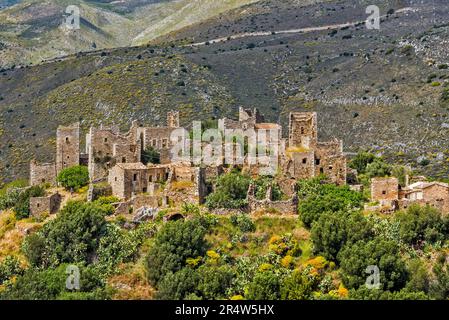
point(67, 155)
point(306, 157)
point(390, 196)
point(48, 204)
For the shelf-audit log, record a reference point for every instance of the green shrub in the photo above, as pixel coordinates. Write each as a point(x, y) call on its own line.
point(298, 286)
point(333, 230)
point(72, 237)
point(230, 192)
point(354, 260)
point(178, 285)
point(361, 160)
point(265, 285)
point(327, 198)
point(418, 224)
point(262, 184)
point(173, 245)
point(74, 177)
point(243, 222)
point(50, 284)
point(150, 155)
point(9, 267)
point(22, 205)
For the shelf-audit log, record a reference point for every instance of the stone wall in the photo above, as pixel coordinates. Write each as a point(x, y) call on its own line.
point(106, 147)
point(267, 204)
point(67, 146)
point(42, 205)
point(127, 179)
point(384, 190)
point(42, 173)
point(186, 184)
point(98, 190)
point(303, 131)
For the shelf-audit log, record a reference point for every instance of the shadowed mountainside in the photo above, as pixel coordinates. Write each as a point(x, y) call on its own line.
point(385, 90)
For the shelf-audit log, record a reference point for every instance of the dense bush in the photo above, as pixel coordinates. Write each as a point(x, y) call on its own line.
point(439, 287)
point(173, 245)
point(176, 286)
point(354, 259)
point(70, 238)
point(333, 230)
point(361, 160)
point(378, 168)
point(9, 267)
point(298, 286)
point(262, 184)
point(9, 195)
point(418, 224)
point(230, 191)
point(214, 281)
point(266, 285)
point(50, 284)
point(74, 177)
point(370, 165)
point(363, 293)
point(326, 198)
point(118, 246)
point(22, 204)
point(243, 222)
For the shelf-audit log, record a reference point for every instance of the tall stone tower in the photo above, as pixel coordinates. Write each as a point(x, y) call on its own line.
point(303, 132)
point(67, 146)
point(173, 119)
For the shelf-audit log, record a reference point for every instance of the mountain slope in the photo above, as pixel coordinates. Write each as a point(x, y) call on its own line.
point(32, 31)
point(385, 90)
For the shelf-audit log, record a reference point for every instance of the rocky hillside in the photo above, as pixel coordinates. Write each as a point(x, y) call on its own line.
point(385, 90)
point(32, 31)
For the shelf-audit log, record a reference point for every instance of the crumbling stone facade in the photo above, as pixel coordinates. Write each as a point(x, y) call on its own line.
point(67, 147)
point(284, 207)
point(106, 146)
point(186, 184)
point(115, 158)
point(306, 157)
point(128, 179)
point(45, 205)
point(67, 155)
point(385, 190)
point(42, 173)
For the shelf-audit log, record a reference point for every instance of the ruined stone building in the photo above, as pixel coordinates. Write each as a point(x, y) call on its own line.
point(114, 158)
point(105, 147)
point(390, 196)
point(48, 204)
point(306, 157)
point(67, 155)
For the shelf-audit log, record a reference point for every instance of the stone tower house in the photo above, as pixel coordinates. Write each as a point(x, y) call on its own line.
point(67, 146)
point(173, 119)
point(303, 132)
